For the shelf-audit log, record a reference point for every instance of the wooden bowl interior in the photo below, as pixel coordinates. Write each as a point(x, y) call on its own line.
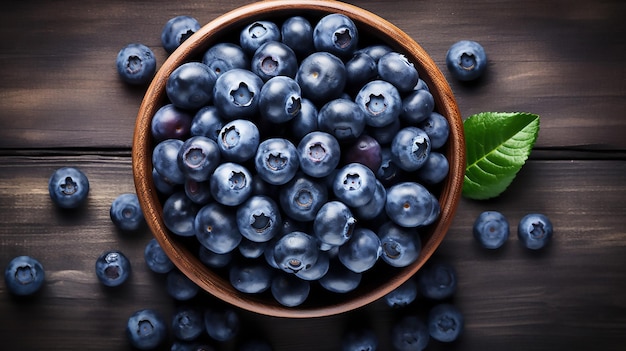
point(377, 282)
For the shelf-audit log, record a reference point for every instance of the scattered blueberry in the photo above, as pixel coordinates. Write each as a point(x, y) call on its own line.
point(410, 334)
point(535, 231)
point(179, 286)
point(136, 64)
point(491, 229)
point(126, 213)
point(177, 30)
point(437, 280)
point(363, 339)
point(403, 295)
point(187, 323)
point(68, 187)
point(24, 275)
point(112, 268)
point(156, 259)
point(221, 323)
point(146, 329)
point(445, 322)
point(466, 60)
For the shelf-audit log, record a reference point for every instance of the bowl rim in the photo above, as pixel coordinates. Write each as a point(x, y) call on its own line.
point(154, 97)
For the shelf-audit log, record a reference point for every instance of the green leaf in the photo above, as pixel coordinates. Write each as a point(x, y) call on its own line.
point(497, 145)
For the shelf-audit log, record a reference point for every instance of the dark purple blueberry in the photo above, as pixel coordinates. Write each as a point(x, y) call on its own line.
point(170, 122)
point(146, 329)
point(366, 151)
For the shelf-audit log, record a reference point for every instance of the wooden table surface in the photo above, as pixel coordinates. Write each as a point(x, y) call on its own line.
point(62, 104)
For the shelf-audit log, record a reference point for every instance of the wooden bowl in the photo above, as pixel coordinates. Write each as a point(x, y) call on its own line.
point(375, 284)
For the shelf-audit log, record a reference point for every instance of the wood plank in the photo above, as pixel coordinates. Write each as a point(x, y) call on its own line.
point(570, 296)
point(559, 59)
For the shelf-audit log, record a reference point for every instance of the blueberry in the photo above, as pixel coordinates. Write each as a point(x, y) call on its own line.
point(289, 290)
point(198, 157)
point(190, 85)
point(225, 56)
point(410, 148)
point(322, 77)
point(198, 192)
point(354, 184)
point(250, 277)
point(361, 252)
point(112, 268)
point(336, 33)
point(163, 185)
point(251, 249)
point(238, 140)
point(403, 295)
point(410, 204)
point(126, 213)
point(375, 206)
point(361, 339)
point(437, 280)
point(319, 154)
point(24, 275)
point(280, 99)
point(318, 269)
point(305, 121)
point(216, 228)
point(302, 197)
point(334, 223)
point(179, 213)
point(178, 345)
point(534, 231)
point(177, 30)
point(273, 59)
point(491, 229)
point(437, 128)
point(410, 334)
point(295, 251)
point(297, 33)
point(213, 259)
point(222, 323)
point(385, 134)
point(396, 69)
point(466, 60)
point(170, 122)
point(256, 34)
point(136, 64)
point(206, 122)
point(388, 173)
point(342, 118)
point(445, 322)
point(146, 329)
point(68, 187)
point(400, 246)
point(340, 279)
point(417, 106)
point(360, 69)
point(179, 286)
point(156, 259)
point(365, 150)
point(231, 184)
point(375, 51)
point(236, 93)
point(259, 218)
point(165, 160)
point(187, 323)
point(435, 170)
point(276, 161)
point(380, 101)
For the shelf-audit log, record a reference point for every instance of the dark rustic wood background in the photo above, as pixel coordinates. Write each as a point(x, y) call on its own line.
point(61, 103)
